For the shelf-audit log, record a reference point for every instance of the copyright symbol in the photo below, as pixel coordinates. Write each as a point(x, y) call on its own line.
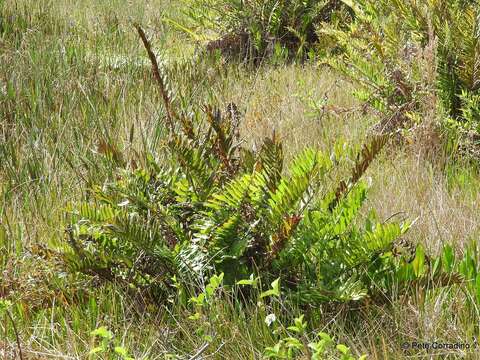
point(405, 346)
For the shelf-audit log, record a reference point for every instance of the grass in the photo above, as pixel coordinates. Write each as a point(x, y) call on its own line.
point(74, 79)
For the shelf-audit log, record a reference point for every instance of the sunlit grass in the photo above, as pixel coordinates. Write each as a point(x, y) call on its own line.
point(73, 75)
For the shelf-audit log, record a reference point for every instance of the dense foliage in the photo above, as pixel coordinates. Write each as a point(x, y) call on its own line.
point(256, 29)
point(414, 59)
point(214, 207)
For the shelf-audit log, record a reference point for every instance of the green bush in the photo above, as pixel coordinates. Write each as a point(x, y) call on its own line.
point(208, 205)
point(408, 54)
point(211, 206)
point(257, 28)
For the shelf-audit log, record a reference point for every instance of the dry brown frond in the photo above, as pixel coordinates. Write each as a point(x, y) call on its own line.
point(158, 77)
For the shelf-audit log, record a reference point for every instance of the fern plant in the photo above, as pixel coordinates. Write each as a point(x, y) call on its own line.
point(401, 52)
point(152, 224)
point(211, 206)
point(256, 28)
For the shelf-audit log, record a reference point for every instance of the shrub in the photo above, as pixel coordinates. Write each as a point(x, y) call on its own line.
point(256, 28)
point(211, 209)
point(405, 54)
point(212, 206)
point(208, 205)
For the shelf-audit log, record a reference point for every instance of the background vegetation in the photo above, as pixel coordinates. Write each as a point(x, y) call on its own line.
point(299, 180)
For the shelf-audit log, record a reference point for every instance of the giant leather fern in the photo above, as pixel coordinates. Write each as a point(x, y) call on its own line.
point(148, 226)
point(403, 52)
point(211, 206)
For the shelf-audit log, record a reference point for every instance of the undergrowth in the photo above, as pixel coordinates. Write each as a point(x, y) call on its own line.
point(417, 64)
point(253, 30)
point(136, 222)
point(212, 206)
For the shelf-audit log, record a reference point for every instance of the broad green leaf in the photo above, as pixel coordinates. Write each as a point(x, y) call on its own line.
point(293, 343)
point(121, 351)
point(419, 261)
point(274, 291)
point(102, 332)
point(343, 349)
point(194, 317)
point(251, 281)
point(96, 350)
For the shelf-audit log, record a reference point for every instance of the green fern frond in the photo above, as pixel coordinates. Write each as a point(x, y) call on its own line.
point(299, 187)
point(271, 161)
point(364, 159)
point(232, 195)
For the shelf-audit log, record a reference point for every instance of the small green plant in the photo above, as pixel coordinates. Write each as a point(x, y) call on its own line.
point(296, 343)
point(204, 307)
point(106, 345)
